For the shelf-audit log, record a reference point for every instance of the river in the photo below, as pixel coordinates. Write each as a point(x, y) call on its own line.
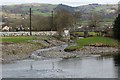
point(83, 67)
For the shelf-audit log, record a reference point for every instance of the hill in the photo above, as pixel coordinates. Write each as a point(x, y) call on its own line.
point(43, 9)
point(66, 8)
point(107, 12)
point(47, 8)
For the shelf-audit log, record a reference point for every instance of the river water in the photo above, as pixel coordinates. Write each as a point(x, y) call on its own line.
point(83, 67)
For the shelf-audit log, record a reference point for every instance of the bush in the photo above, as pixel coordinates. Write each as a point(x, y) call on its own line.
point(116, 28)
point(71, 48)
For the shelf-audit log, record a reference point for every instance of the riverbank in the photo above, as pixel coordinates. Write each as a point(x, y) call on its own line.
point(93, 42)
point(102, 51)
point(52, 53)
point(58, 52)
point(17, 48)
point(17, 51)
point(45, 48)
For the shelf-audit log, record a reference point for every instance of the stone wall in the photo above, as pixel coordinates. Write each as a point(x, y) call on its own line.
point(27, 33)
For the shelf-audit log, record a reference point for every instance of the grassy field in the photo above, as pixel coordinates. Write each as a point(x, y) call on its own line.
point(89, 33)
point(93, 40)
point(16, 39)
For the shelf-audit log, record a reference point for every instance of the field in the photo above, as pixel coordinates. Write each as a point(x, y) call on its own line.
point(17, 39)
point(93, 40)
point(89, 33)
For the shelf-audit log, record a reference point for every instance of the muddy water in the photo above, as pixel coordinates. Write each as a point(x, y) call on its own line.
point(85, 67)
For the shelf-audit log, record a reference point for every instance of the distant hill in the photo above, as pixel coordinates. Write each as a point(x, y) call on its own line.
point(107, 11)
point(66, 8)
point(111, 8)
point(43, 9)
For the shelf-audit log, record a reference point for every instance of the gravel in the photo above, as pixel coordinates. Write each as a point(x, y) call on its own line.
point(97, 50)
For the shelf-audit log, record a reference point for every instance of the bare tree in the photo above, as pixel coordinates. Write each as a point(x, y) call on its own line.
point(94, 20)
point(63, 19)
point(77, 16)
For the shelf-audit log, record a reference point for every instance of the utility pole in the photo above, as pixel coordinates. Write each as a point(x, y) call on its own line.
point(30, 23)
point(51, 22)
point(52, 19)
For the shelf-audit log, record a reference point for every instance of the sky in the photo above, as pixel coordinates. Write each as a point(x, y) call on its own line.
point(68, 2)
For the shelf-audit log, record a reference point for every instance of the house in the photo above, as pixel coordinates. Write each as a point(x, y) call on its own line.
point(6, 28)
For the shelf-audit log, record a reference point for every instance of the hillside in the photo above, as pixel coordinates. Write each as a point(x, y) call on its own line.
point(107, 12)
point(66, 8)
point(111, 8)
point(45, 9)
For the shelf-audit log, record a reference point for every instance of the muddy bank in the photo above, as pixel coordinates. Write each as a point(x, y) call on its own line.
point(18, 51)
point(48, 49)
point(53, 52)
point(58, 52)
point(88, 50)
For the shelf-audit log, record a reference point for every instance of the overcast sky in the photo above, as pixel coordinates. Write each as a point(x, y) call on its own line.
point(68, 2)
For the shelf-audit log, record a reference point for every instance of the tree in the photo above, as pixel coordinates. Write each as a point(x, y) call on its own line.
point(77, 16)
point(12, 22)
point(63, 19)
point(39, 23)
point(116, 28)
point(94, 20)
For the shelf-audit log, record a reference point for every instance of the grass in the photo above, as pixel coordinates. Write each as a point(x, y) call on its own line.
point(92, 40)
point(72, 48)
point(17, 39)
point(89, 33)
point(40, 13)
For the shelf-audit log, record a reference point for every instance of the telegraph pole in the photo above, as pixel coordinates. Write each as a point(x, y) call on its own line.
point(52, 20)
point(30, 23)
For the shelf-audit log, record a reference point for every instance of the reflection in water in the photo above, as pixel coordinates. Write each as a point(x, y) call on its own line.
point(90, 67)
point(117, 62)
point(117, 59)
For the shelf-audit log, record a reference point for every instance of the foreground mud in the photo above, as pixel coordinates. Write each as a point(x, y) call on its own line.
point(18, 51)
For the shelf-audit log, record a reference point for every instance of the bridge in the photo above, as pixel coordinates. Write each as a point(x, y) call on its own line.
point(91, 29)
